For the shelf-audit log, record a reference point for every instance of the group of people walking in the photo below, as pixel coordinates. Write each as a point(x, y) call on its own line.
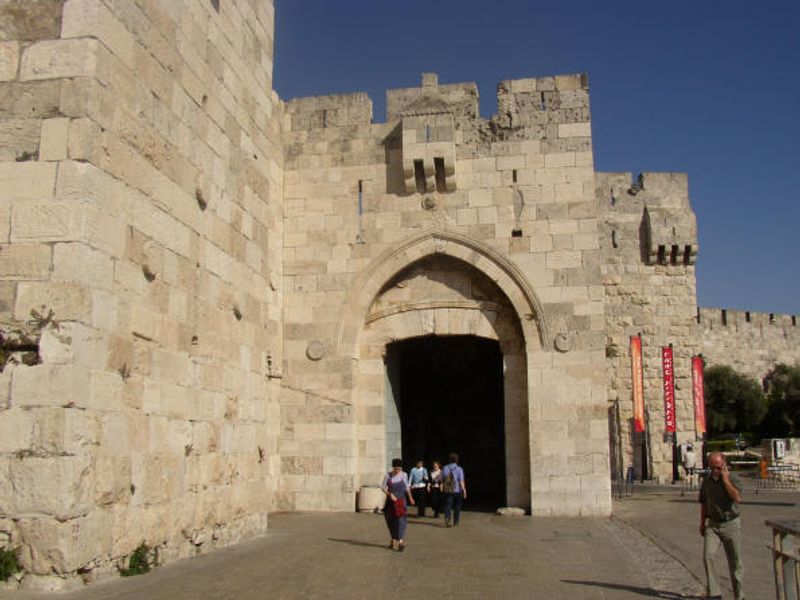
point(444, 489)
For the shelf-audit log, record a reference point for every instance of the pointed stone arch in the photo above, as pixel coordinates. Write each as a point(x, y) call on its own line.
point(505, 274)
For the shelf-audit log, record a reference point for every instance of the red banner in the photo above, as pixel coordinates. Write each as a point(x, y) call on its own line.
point(699, 398)
point(638, 383)
point(669, 389)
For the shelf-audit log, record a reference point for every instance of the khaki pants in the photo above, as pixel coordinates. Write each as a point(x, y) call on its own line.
point(729, 536)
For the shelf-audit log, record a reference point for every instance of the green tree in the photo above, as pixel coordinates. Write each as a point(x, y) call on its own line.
point(734, 402)
point(783, 402)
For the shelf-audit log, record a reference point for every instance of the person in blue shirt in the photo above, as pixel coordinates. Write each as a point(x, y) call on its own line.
point(454, 488)
point(420, 486)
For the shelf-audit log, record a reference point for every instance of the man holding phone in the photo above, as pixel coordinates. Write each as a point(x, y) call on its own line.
point(720, 494)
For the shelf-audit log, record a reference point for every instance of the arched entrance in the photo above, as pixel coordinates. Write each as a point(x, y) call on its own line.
point(443, 360)
point(447, 392)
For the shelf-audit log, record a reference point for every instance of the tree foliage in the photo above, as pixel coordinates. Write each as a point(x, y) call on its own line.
point(783, 401)
point(734, 402)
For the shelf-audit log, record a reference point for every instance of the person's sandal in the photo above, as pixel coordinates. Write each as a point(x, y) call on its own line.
point(401, 545)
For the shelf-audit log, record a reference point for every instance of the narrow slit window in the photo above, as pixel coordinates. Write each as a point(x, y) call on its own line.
point(771, 319)
point(661, 257)
point(428, 133)
point(614, 241)
point(542, 103)
point(438, 166)
point(687, 254)
point(794, 321)
point(419, 176)
point(514, 176)
point(673, 255)
point(324, 118)
point(747, 316)
point(724, 317)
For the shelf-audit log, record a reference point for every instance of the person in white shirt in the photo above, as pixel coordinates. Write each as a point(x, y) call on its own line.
point(420, 482)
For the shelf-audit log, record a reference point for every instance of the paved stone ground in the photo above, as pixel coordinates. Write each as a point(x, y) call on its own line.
point(650, 549)
point(670, 522)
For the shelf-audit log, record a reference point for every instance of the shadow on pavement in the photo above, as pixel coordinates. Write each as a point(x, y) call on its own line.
point(751, 503)
point(743, 502)
point(644, 591)
point(431, 523)
point(359, 543)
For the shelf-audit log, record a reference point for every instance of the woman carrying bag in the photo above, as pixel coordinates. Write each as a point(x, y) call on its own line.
point(395, 486)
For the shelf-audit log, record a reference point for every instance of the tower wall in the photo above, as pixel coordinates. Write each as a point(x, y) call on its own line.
point(649, 243)
point(140, 258)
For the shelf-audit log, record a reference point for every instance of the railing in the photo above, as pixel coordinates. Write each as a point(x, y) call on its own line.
point(786, 558)
point(623, 486)
point(691, 481)
point(779, 476)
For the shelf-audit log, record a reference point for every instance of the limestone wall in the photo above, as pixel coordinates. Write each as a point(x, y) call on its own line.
point(649, 243)
point(514, 198)
point(140, 218)
point(750, 342)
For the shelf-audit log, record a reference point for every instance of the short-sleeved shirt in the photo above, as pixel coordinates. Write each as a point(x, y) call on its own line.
point(397, 484)
point(458, 475)
point(419, 477)
point(719, 506)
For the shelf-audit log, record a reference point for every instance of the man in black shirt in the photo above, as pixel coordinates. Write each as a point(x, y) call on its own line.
point(720, 494)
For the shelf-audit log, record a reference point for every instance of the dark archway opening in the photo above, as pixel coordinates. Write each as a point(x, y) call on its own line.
point(449, 396)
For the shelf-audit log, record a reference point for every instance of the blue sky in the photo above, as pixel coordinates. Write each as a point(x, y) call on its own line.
point(711, 88)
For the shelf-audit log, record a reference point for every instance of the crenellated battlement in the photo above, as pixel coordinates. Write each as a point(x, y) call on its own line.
point(750, 342)
point(713, 318)
point(554, 107)
point(668, 228)
point(458, 99)
point(558, 105)
point(335, 110)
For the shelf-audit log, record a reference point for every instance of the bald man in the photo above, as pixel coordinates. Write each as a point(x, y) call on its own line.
point(720, 494)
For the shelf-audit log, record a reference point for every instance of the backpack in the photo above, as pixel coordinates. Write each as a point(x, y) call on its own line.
point(449, 483)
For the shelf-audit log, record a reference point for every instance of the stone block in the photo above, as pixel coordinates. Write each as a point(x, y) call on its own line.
point(106, 389)
point(27, 180)
point(90, 18)
point(112, 480)
point(29, 100)
point(9, 60)
point(507, 163)
point(62, 432)
point(49, 385)
point(16, 430)
point(45, 221)
point(77, 262)
point(30, 20)
point(19, 139)
point(559, 159)
point(5, 222)
point(59, 58)
point(571, 130)
point(480, 197)
point(563, 259)
point(53, 545)
point(58, 485)
point(25, 261)
point(53, 144)
point(157, 478)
